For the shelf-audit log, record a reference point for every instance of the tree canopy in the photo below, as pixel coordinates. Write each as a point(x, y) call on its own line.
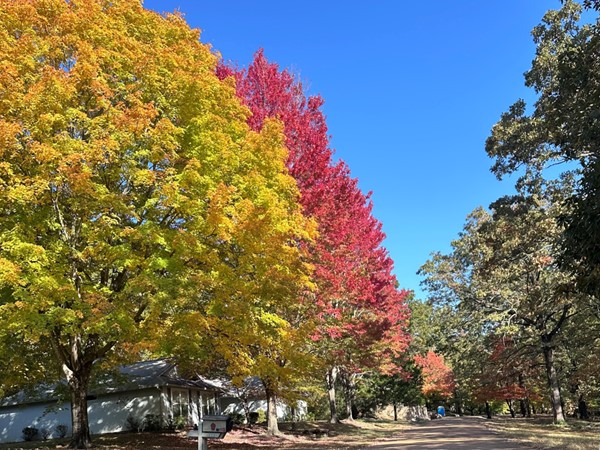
point(361, 316)
point(135, 196)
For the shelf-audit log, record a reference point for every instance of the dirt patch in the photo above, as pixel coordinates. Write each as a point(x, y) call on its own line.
point(541, 433)
point(299, 436)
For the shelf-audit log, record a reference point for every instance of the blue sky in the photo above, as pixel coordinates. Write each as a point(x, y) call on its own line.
point(411, 92)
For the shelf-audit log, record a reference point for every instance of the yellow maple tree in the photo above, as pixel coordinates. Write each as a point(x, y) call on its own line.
point(133, 194)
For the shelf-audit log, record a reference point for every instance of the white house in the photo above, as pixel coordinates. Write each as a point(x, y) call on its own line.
point(148, 390)
point(251, 395)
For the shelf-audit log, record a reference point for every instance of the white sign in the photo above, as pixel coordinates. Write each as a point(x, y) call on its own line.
point(206, 434)
point(214, 426)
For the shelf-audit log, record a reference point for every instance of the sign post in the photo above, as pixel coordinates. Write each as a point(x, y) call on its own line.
point(211, 427)
point(202, 441)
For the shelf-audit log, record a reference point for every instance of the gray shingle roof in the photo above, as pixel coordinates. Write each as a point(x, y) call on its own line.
point(141, 375)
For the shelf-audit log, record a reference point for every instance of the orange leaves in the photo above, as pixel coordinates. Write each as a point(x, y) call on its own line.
point(438, 378)
point(135, 197)
point(217, 219)
point(9, 273)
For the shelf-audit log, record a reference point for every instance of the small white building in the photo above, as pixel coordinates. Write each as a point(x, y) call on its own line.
point(140, 393)
point(252, 395)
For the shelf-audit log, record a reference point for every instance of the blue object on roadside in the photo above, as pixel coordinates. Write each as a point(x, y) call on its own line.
point(441, 411)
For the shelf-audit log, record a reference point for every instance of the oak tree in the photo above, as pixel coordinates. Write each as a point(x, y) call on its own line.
point(504, 265)
point(562, 127)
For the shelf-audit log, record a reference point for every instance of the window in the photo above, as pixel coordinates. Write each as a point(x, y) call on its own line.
point(180, 403)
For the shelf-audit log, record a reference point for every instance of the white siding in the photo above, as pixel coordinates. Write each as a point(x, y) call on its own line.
point(233, 405)
point(165, 405)
point(195, 407)
point(14, 419)
point(108, 414)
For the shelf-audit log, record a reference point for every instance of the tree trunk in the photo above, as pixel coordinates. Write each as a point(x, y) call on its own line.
point(555, 397)
point(332, 375)
point(294, 418)
point(272, 425)
point(81, 437)
point(509, 402)
point(247, 411)
point(458, 404)
point(77, 369)
point(349, 414)
point(78, 381)
point(349, 395)
point(488, 410)
point(522, 407)
point(395, 412)
point(524, 402)
point(582, 407)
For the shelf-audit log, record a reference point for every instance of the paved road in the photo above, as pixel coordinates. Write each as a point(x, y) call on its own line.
point(450, 433)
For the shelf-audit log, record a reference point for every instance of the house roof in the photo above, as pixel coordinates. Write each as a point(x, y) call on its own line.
point(145, 374)
point(251, 388)
point(141, 375)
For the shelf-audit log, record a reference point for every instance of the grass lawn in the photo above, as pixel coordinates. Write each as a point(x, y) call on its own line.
point(539, 432)
point(342, 436)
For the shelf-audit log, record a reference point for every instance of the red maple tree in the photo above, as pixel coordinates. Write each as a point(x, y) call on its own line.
point(438, 379)
point(508, 375)
point(362, 316)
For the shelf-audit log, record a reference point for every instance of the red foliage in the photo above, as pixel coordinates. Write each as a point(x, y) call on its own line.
point(504, 367)
point(438, 379)
point(363, 317)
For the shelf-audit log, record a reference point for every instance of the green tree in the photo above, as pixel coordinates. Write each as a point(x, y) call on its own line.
point(562, 127)
point(504, 265)
point(376, 390)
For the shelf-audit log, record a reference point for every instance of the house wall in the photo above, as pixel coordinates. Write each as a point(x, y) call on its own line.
point(198, 400)
point(106, 414)
point(42, 415)
point(234, 405)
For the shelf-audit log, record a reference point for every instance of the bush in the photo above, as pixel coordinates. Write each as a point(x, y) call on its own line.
point(30, 433)
point(237, 418)
point(262, 416)
point(61, 430)
point(180, 422)
point(253, 417)
point(151, 422)
point(46, 432)
point(132, 423)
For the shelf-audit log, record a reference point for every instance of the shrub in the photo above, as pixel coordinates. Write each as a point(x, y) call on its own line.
point(46, 432)
point(180, 422)
point(170, 425)
point(262, 416)
point(237, 418)
point(132, 423)
point(253, 417)
point(30, 433)
point(62, 430)
point(151, 422)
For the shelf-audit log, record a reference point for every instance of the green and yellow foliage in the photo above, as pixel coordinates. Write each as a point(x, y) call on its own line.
point(136, 202)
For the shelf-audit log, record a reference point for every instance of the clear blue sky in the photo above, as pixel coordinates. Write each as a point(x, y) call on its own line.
point(411, 92)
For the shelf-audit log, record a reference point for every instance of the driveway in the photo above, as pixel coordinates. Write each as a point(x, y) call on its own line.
point(449, 433)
